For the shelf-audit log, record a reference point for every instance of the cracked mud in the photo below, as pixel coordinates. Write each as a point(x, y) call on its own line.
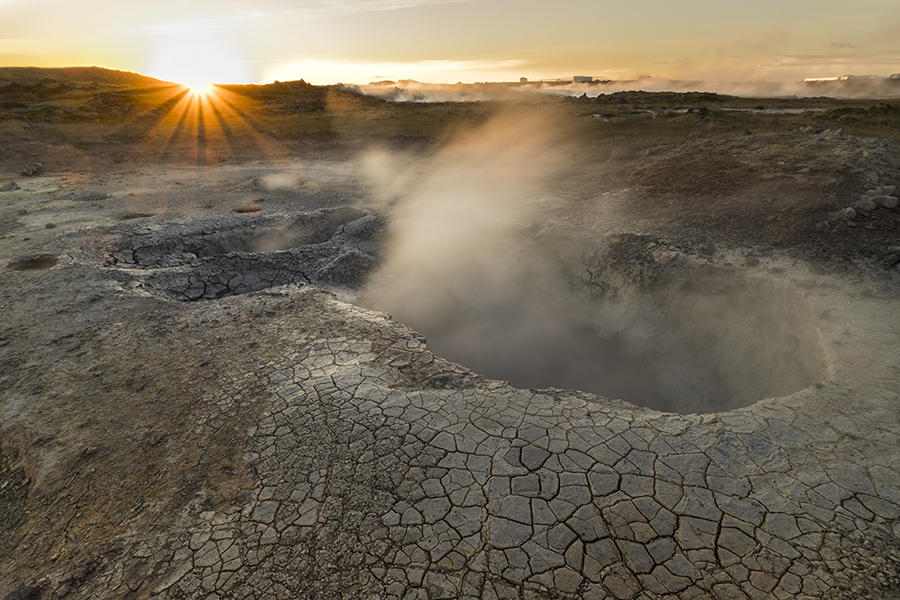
point(276, 441)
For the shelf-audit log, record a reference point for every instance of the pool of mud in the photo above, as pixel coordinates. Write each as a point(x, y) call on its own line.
point(664, 333)
point(684, 339)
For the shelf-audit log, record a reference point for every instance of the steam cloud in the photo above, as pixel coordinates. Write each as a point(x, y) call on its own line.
point(472, 263)
point(459, 265)
point(414, 91)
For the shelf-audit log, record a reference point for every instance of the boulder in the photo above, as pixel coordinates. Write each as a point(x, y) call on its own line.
point(12, 186)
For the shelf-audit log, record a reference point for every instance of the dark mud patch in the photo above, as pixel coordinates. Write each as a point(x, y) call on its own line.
point(33, 263)
point(206, 259)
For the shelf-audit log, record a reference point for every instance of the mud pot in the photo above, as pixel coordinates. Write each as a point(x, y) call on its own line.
point(664, 333)
point(215, 258)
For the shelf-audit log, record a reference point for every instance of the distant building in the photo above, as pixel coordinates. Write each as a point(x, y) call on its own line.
point(582, 79)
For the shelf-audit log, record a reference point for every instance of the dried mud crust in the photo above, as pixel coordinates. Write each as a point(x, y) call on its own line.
point(783, 191)
point(306, 464)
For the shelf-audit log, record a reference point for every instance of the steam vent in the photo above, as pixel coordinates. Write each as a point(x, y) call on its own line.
point(198, 400)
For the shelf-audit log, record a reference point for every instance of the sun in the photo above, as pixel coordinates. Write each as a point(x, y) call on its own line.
point(197, 61)
point(199, 87)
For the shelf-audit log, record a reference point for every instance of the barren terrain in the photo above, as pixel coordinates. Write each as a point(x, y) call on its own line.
point(195, 404)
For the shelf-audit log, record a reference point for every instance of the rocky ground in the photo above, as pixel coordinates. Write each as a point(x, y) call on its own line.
point(192, 410)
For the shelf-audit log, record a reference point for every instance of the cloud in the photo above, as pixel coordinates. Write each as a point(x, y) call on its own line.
point(200, 25)
point(340, 7)
point(284, 11)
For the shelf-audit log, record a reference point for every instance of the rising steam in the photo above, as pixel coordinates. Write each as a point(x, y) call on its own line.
point(472, 264)
point(459, 266)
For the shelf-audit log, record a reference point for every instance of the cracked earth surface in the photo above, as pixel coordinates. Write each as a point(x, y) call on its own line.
point(284, 443)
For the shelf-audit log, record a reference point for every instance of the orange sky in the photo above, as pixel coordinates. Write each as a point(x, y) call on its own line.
point(356, 41)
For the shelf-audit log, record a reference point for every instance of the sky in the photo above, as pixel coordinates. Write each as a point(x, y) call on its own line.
point(446, 41)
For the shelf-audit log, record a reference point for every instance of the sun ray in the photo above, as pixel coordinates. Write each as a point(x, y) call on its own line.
point(202, 129)
point(227, 103)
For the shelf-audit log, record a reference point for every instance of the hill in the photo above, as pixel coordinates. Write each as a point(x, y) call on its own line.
point(98, 75)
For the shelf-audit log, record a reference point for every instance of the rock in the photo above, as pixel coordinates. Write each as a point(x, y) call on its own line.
point(12, 186)
point(885, 201)
point(32, 169)
point(22, 591)
point(865, 205)
point(822, 226)
point(884, 190)
point(812, 129)
point(848, 214)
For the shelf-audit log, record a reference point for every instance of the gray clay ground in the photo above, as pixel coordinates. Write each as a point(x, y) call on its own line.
point(286, 444)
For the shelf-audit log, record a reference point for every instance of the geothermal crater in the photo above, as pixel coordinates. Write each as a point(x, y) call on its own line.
point(685, 338)
point(664, 333)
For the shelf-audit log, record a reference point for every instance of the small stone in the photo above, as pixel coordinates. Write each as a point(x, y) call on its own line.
point(813, 129)
point(848, 214)
point(865, 205)
point(12, 186)
point(32, 169)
